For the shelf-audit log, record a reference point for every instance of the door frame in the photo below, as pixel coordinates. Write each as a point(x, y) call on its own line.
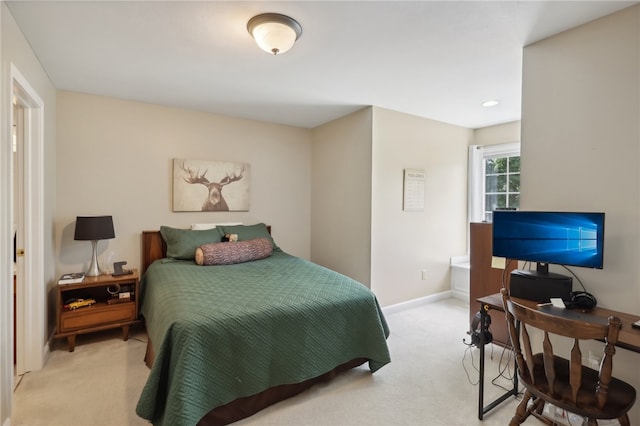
point(31, 347)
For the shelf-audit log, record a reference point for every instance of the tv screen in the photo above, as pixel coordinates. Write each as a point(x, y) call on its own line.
point(564, 238)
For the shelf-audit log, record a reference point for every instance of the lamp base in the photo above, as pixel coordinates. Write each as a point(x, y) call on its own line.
point(94, 268)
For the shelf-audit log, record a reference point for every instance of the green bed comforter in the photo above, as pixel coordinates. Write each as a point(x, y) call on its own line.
point(224, 332)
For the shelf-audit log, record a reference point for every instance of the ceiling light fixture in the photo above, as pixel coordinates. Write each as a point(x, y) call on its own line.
point(273, 32)
point(490, 103)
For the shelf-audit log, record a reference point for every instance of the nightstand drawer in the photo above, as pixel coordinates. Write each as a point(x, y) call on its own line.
point(101, 314)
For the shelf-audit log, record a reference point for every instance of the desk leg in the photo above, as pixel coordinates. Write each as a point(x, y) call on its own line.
point(482, 410)
point(515, 366)
point(483, 317)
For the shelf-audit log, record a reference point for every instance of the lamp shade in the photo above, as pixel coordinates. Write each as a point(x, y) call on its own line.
point(273, 32)
point(94, 228)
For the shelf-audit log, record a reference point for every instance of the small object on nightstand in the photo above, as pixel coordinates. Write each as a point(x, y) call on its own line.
point(72, 278)
point(113, 290)
point(118, 300)
point(80, 303)
point(117, 269)
point(636, 324)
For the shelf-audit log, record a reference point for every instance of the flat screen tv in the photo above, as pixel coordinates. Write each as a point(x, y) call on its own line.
point(563, 238)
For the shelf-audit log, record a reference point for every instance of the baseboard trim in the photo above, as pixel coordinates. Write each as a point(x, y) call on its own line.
point(46, 352)
point(402, 306)
point(460, 295)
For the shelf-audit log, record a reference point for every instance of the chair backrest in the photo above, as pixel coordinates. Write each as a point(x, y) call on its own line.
point(562, 326)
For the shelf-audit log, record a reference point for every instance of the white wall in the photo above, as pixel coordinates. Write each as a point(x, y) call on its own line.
point(115, 158)
point(403, 243)
point(581, 147)
point(341, 195)
point(15, 50)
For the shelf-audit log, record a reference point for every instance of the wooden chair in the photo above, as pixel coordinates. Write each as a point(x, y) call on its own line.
point(566, 384)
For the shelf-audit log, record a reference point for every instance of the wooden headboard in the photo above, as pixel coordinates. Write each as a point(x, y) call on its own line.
point(154, 247)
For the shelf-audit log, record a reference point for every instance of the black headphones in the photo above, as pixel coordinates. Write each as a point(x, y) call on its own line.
point(478, 332)
point(581, 300)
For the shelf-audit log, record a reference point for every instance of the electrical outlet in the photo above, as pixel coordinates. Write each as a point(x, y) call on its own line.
point(424, 274)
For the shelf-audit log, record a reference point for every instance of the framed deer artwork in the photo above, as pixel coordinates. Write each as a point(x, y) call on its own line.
point(210, 186)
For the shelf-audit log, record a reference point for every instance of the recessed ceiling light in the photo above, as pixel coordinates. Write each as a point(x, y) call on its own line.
point(490, 103)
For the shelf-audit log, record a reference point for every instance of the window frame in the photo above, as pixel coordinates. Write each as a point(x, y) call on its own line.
point(476, 175)
point(505, 150)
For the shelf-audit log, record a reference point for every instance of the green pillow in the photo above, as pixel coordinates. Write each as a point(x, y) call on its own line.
point(249, 232)
point(182, 243)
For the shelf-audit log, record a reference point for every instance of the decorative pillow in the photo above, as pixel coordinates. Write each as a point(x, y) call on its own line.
point(249, 232)
point(201, 226)
point(236, 252)
point(182, 243)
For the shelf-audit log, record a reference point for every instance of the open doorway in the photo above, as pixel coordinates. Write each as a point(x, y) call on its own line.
point(17, 141)
point(28, 222)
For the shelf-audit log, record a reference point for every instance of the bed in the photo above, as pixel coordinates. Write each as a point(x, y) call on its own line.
point(227, 340)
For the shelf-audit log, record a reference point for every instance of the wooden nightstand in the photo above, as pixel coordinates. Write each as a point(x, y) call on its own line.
point(108, 312)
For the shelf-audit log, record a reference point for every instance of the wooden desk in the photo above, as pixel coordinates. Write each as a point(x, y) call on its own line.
point(628, 338)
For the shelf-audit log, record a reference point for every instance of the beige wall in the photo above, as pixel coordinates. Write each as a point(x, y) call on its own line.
point(500, 133)
point(115, 158)
point(404, 243)
point(341, 195)
point(314, 187)
point(581, 147)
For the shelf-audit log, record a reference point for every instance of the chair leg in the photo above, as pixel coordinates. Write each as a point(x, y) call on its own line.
point(521, 412)
point(592, 422)
point(536, 409)
point(624, 420)
point(539, 406)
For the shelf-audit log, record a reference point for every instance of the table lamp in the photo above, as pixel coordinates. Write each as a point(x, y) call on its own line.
point(94, 228)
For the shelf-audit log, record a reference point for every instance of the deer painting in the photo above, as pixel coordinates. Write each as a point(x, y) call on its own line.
point(214, 200)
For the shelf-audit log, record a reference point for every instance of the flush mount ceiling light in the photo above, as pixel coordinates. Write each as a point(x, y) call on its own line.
point(274, 33)
point(490, 103)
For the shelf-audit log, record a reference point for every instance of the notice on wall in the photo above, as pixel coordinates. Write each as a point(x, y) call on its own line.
point(498, 262)
point(414, 185)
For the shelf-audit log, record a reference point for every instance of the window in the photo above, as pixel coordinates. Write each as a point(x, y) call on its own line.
point(494, 179)
point(501, 183)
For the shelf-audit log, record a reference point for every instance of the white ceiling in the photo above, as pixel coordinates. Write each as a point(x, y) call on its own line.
point(438, 60)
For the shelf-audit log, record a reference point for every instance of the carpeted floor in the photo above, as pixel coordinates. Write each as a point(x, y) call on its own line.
point(430, 381)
